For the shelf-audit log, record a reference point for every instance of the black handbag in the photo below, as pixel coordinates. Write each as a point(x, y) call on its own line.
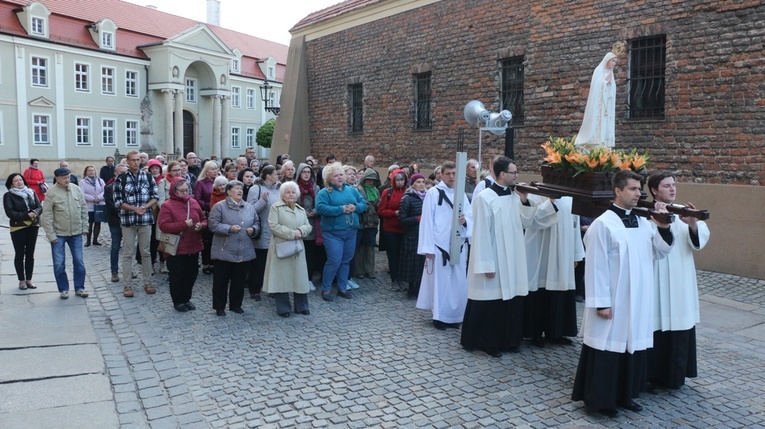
point(100, 213)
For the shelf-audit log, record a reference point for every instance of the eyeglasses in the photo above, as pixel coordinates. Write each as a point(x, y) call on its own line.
point(181, 191)
point(514, 173)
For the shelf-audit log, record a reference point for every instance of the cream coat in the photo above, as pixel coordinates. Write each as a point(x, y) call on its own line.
point(288, 274)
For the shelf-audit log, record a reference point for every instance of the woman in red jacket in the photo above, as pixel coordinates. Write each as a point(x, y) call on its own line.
point(181, 214)
point(35, 178)
point(392, 230)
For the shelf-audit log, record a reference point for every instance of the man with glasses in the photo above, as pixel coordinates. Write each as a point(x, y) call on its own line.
point(619, 304)
point(135, 192)
point(497, 278)
point(193, 161)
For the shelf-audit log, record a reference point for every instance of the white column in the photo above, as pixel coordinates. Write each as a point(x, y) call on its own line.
point(179, 98)
point(167, 95)
point(225, 128)
point(22, 118)
point(60, 117)
point(216, 126)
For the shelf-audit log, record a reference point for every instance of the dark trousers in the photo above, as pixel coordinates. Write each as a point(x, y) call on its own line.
point(257, 272)
point(393, 242)
point(229, 279)
point(183, 271)
point(311, 257)
point(283, 302)
point(24, 241)
point(114, 252)
point(579, 278)
point(207, 237)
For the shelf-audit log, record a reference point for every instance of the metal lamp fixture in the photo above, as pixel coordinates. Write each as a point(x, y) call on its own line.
point(265, 95)
point(496, 123)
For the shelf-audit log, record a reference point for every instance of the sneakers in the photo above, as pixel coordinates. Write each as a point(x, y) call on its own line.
point(115, 277)
point(64, 295)
point(352, 284)
point(127, 292)
point(149, 289)
point(311, 287)
point(81, 293)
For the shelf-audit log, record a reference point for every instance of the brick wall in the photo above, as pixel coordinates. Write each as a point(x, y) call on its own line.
point(714, 130)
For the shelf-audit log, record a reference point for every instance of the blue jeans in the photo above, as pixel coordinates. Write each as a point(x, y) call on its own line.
point(116, 233)
point(59, 262)
point(340, 247)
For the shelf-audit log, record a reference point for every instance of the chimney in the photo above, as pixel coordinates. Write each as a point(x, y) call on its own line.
point(151, 6)
point(213, 12)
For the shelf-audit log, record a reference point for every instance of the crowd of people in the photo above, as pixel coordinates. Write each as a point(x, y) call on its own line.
point(273, 228)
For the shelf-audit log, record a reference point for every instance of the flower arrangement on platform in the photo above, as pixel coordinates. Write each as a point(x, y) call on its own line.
point(562, 154)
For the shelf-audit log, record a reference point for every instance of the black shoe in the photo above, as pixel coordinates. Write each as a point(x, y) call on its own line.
point(87, 245)
point(220, 312)
point(182, 308)
point(327, 296)
point(538, 341)
point(494, 353)
point(344, 294)
point(256, 296)
point(305, 312)
point(285, 315)
point(609, 412)
point(96, 243)
point(237, 310)
point(633, 406)
point(650, 388)
point(562, 341)
point(441, 326)
point(191, 306)
point(453, 325)
point(514, 350)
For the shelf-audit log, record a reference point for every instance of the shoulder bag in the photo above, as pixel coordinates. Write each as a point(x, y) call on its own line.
point(169, 242)
point(285, 249)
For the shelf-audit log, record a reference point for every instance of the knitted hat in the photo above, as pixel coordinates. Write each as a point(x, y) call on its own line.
point(415, 177)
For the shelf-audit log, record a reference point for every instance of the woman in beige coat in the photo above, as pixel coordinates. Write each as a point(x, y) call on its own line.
point(288, 221)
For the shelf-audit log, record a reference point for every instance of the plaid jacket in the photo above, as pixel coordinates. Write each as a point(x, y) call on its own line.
point(135, 191)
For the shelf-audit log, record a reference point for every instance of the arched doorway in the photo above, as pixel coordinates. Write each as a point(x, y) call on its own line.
point(188, 133)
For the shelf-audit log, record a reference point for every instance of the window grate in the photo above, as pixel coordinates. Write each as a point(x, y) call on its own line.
point(511, 93)
point(646, 80)
point(423, 118)
point(356, 111)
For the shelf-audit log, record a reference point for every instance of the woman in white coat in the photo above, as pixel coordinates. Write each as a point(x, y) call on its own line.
point(288, 222)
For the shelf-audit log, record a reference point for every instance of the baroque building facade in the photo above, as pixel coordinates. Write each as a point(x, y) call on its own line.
point(391, 78)
point(81, 80)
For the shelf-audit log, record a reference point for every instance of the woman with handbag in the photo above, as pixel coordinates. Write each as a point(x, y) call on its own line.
point(286, 269)
point(93, 189)
point(181, 217)
point(35, 179)
point(233, 223)
point(23, 209)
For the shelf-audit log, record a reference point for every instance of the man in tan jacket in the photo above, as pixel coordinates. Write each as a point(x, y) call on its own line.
point(65, 221)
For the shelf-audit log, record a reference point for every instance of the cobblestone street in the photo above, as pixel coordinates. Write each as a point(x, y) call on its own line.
point(376, 361)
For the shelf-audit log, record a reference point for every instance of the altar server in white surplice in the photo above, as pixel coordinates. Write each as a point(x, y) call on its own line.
point(617, 322)
point(553, 248)
point(673, 356)
point(444, 286)
point(497, 277)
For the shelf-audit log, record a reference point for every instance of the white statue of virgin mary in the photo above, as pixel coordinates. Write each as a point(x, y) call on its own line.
point(598, 126)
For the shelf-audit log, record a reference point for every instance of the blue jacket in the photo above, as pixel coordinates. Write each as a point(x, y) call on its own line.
point(330, 206)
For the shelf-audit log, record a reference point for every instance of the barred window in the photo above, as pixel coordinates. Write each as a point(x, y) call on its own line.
point(423, 117)
point(511, 93)
point(356, 111)
point(645, 82)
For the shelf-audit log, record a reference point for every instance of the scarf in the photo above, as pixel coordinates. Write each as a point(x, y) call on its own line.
point(306, 187)
point(26, 194)
point(371, 192)
point(420, 194)
point(91, 180)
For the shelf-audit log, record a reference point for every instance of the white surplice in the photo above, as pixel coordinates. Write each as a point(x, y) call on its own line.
point(619, 275)
point(498, 246)
point(553, 244)
point(677, 294)
point(444, 286)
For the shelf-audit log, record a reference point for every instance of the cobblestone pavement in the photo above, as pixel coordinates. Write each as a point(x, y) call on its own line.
point(376, 361)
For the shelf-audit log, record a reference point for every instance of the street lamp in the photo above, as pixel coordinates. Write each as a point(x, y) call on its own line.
point(265, 94)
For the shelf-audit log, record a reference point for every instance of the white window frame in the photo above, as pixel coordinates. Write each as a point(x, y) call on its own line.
point(108, 131)
point(82, 131)
point(41, 30)
point(37, 130)
point(107, 39)
point(105, 77)
point(131, 133)
point(236, 133)
point(272, 99)
point(132, 83)
point(271, 72)
point(236, 65)
point(39, 72)
point(77, 74)
point(236, 97)
point(191, 90)
point(249, 139)
point(250, 103)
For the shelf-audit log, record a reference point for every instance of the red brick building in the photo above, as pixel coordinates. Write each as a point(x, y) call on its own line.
point(391, 77)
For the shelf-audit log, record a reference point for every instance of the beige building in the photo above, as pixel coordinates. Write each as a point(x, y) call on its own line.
point(82, 80)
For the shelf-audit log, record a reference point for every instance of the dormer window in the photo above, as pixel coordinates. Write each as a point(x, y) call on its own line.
point(270, 72)
point(235, 67)
point(107, 40)
point(38, 26)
